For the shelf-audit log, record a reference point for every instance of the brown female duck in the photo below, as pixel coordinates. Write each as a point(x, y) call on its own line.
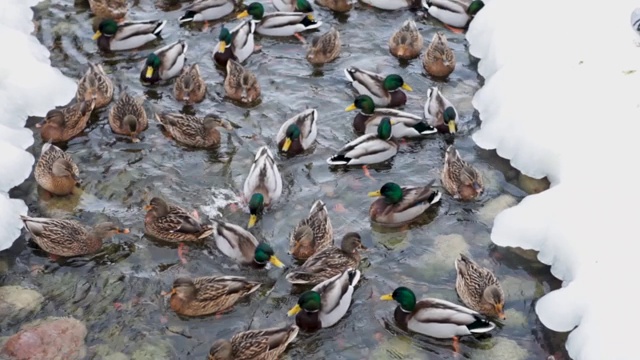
point(95, 84)
point(261, 344)
point(128, 117)
point(56, 171)
point(173, 223)
point(439, 60)
point(193, 131)
point(479, 288)
point(461, 180)
point(64, 123)
point(189, 86)
point(312, 234)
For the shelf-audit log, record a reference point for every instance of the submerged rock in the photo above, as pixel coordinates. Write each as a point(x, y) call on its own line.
point(397, 347)
point(51, 338)
point(151, 352)
point(17, 302)
point(494, 206)
point(440, 261)
point(518, 288)
point(531, 185)
point(502, 349)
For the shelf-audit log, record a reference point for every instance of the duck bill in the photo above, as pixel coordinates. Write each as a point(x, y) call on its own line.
point(386, 297)
point(294, 310)
point(287, 144)
point(276, 262)
point(350, 107)
point(123, 231)
point(407, 87)
point(223, 45)
point(148, 207)
point(165, 293)
point(452, 127)
point(374, 194)
point(310, 17)
point(149, 72)
point(242, 14)
point(252, 221)
point(96, 35)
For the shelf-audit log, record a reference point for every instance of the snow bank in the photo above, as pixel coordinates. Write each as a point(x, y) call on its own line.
point(28, 86)
point(562, 99)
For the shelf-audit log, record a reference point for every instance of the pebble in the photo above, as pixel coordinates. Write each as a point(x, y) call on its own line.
point(52, 339)
point(17, 301)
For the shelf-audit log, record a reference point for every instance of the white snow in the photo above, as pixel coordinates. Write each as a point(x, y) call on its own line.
point(28, 86)
point(562, 99)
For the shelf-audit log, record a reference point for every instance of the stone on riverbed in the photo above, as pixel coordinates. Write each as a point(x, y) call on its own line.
point(51, 338)
point(397, 347)
point(439, 262)
point(17, 302)
point(518, 288)
point(501, 349)
point(531, 185)
point(495, 206)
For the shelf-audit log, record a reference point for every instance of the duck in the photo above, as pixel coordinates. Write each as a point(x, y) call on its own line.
point(128, 117)
point(324, 48)
point(240, 245)
point(67, 237)
point(392, 4)
point(56, 171)
point(62, 124)
point(207, 295)
point(237, 44)
point(190, 86)
point(241, 84)
point(405, 125)
point(292, 6)
point(383, 90)
point(298, 133)
point(172, 223)
point(312, 234)
point(440, 112)
point(264, 344)
point(339, 6)
point(454, 14)
point(368, 148)
point(193, 131)
point(435, 317)
point(478, 288)
point(281, 23)
point(327, 263)
point(109, 9)
point(206, 10)
point(327, 303)
point(112, 36)
point(263, 185)
point(164, 63)
point(397, 206)
point(406, 43)
point(95, 83)
point(439, 60)
point(461, 179)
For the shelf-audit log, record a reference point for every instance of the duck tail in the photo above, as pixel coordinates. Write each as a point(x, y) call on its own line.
point(338, 160)
point(481, 325)
point(159, 28)
point(300, 278)
point(187, 17)
point(207, 230)
point(347, 74)
point(354, 277)
point(424, 129)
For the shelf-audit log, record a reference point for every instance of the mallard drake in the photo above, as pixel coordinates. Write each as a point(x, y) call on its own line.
point(240, 245)
point(406, 42)
point(263, 344)
point(312, 234)
point(108, 9)
point(325, 304)
point(190, 86)
point(192, 130)
point(439, 60)
point(128, 117)
point(237, 45)
point(404, 123)
point(478, 288)
point(327, 263)
point(454, 14)
point(68, 238)
point(298, 133)
point(392, 4)
point(205, 10)
point(461, 180)
point(340, 6)
point(208, 294)
point(281, 23)
point(172, 223)
point(263, 185)
point(56, 171)
point(436, 318)
point(383, 90)
point(324, 48)
point(95, 83)
point(241, 84)
point(164, 63)
point(112, 36)
point(440, 112)
point(368, 148)
point(64, 123)
point(292, 6)
point(397, 206)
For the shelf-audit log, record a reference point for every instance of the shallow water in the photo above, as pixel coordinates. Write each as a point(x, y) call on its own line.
point(120, 177)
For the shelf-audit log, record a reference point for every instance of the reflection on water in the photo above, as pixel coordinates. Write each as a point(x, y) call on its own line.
point(117, 292)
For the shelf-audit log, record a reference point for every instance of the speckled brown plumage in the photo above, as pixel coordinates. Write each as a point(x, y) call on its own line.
point(337, 5)
point(56, 171)
point(189, 86)
point(128, 117)
point(312, 234)
point(95, 84)
point(324, 48)
point(460, 179)
point(241, 84)
point(64, 123)
point(109, 9)
point(261, 344)
point(479, 288)
point(173, 223)
point(439, 60)
point(407, 42)
point(191, 130)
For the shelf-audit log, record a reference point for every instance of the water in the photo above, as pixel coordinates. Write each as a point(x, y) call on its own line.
point(117, 292)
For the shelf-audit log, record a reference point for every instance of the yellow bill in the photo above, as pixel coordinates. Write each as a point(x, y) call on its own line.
point(386, 297)
point(275, 261)
point(287, 144)
point(310, 17)
point(149, 72)
point(452, 127)
point(96, 35)
point(242, 14)
point(375, 193)
point(123, 231)
point(407, 87)
point(350, 107)
point(222, 46)
point(294, 310)
point(252, 221)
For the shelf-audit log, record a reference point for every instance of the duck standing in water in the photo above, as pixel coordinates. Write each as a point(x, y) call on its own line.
point(282, 23)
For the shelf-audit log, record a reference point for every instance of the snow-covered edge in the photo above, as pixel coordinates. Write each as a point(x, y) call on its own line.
point(29, 86)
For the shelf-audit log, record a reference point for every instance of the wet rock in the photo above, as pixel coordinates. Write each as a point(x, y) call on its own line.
point(515, 318)
point(4, 266)
point(518, 288)
point(531, 185)
point(494, 206)
point(397, 347)
point(116, 356)
point(392, 240)
point(439, 262)
point(151, 352)
point(17, 302)
point(50, 338)
point(502, 349)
